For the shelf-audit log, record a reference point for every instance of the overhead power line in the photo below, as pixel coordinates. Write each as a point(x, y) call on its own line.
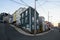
point(18, 2)
point(24, 2)
point(46, 2)
point(53, 1)
point(41, 6)
point(42, 3)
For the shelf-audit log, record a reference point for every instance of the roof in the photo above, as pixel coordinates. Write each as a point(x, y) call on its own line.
point(24, 9)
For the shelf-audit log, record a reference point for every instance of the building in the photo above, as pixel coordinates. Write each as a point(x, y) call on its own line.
point(2, 16)
point(16, 15)
point(41, 23)
point(27, 20)
point(8, 18)
point(58, 24)
point(46, 25)
point(49, 24)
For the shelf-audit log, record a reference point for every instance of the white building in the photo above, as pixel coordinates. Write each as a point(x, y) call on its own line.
point(41, 22)
point(46, 26)
point(16, 15)
point(8, 18)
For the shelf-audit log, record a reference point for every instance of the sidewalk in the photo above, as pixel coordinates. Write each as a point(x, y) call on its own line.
point(23, 32)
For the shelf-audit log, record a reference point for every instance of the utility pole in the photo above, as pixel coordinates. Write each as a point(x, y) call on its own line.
point(51, 18)
point(35, 19)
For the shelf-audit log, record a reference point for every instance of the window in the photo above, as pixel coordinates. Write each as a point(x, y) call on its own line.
point(32, 26)
point(25, 19)
point(37, 20)
point(22, 21)
point(37, 27)
point(26, 13)
point(32, 18)
point(22, 15)
point(42, 19)
point(27, 26)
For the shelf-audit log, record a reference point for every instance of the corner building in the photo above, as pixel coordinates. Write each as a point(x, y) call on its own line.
point(27, 20)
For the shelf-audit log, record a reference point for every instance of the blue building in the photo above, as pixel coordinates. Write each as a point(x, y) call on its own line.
point(27, 20)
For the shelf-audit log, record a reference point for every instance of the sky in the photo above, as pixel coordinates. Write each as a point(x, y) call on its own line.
point(43, 7)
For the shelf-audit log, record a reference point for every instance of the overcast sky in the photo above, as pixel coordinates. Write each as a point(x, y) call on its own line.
point(42, 6)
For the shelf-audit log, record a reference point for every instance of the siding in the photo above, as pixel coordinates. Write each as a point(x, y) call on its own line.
point(14, 17)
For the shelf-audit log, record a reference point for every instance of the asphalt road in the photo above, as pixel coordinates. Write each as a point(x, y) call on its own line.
point(9, 33)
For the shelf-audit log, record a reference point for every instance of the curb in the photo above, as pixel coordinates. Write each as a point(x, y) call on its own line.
point(43, 33)
point(23, 32)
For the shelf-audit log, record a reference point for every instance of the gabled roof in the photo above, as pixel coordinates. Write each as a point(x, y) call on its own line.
point(24, 9)
point(31, 8)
